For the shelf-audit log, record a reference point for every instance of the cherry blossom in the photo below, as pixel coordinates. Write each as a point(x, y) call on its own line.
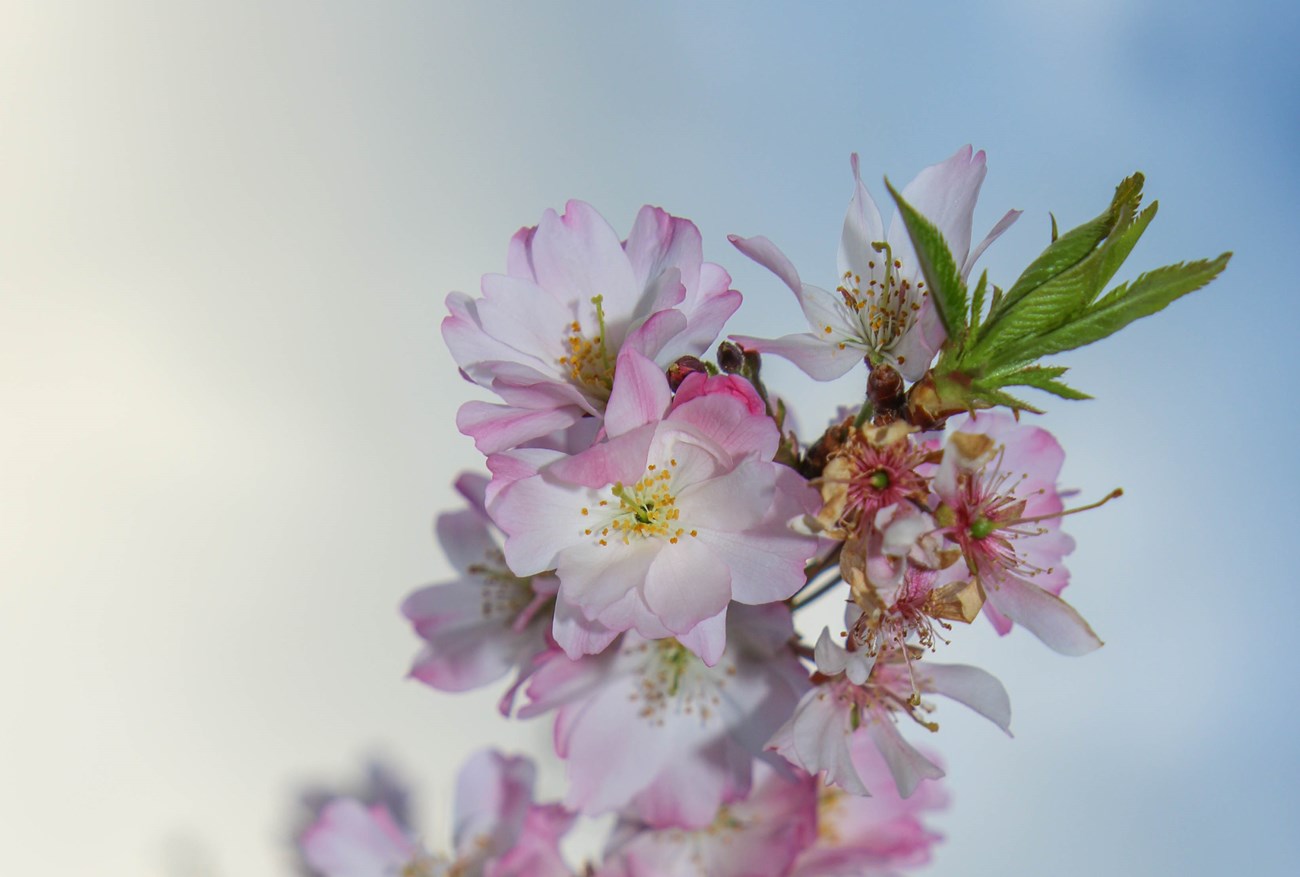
point(880, 308)
point(997, 486)
point(488, 622)
point(657, 529)
point(546, 335)
point(498, 831)
point(755, 837)
point(648, 728)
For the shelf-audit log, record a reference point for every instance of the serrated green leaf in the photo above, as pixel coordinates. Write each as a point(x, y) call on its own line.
point(977, 307)
point(1040, 377)
point(1072, 247)
point(1062, 298)
point(991, 396)
point(1148, 294)
point(947, 290)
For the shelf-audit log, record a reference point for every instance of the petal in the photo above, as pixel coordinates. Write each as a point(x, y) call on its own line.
point(660, 242)
point(831, 659)
point(728, 421)
point(620, 459)
point(596, 577)
point(862, 228)
point(1045, 615)
point(1002, 225)
point(496, 428)
point(493, 794)
point(540, 518)
point(640, 394)
point(765, 253)
point(977, 689)
point(578, 256)
point(944, 193)
point(465, 539)
point(703, 325)
point(577, 634)
point(820, 360)
point(653, 335)
point(907, 765)
point(708, 639)
point(686, 585)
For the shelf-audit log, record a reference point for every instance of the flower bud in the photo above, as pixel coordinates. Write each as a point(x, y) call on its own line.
point(683, 368)
point(885, 386)
point(731, 359)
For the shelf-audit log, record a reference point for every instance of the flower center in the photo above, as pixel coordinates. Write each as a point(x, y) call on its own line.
point(674, 681)
point(589, 363)
point(503, 594)
point(886, 308)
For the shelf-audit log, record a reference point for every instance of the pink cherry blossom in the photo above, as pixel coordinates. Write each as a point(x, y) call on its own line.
point(646, 727)
point(871, 836)
point(657, 529)
point(819, 736)
point(546, 335)
point(880, 309)
point(488, 622)
point(755, 837)
point(1001, 506)
point(496, 828)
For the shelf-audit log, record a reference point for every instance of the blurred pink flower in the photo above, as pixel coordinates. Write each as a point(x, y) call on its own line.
point(880, 309)
point(488, 622)
point(648, 728)
point(546, 335)
point(755, 837)
point(870, 836)
point(496, 827)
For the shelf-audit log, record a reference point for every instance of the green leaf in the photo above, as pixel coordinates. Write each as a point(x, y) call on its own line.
point(937, 264)
point(1042, 378)
point(1148, 294)
point(1069, 249)
point(1059, 300)
point(977, 306)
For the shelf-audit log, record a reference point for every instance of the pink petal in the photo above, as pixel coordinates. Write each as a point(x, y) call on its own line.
point(907, 765)
point(620, 459)
point(659, 329)
point(687, 584)
point(944, 193)
point(493, 795)
point(1045, 615)
point(496, 428)
point(862, 228)
point(708, 639)
point(1002, 225)
point(729, 421)
point(659, 242)
point(578, 256)
point(977, 689)
point(765, 253)
point(640, 394)
point(820, 360)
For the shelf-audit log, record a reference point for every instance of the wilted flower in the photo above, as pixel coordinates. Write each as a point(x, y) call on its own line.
point(997, 484)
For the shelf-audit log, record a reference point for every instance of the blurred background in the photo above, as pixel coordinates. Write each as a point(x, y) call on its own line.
point(226, 232)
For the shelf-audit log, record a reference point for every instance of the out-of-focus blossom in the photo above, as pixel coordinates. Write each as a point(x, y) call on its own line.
point(648, 728)
point(819, 735)
point(860, 836)
point(657, 529)
point(546, 335)
point(488, 622)
point(997, 486)
point(496, 827)
point(881, 309)
point(755, 837)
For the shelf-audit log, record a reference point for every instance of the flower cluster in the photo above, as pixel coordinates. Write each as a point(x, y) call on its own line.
point(648, 528)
